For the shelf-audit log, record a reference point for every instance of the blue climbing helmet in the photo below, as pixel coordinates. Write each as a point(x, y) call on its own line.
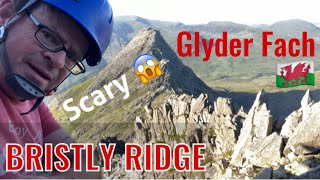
point(96, 19)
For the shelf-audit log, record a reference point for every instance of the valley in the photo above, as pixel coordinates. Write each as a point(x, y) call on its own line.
point(214, 102)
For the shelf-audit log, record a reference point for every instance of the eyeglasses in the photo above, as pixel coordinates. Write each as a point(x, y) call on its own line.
point(53, 42)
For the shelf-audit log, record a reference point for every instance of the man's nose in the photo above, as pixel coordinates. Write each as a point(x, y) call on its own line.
point(57, 59)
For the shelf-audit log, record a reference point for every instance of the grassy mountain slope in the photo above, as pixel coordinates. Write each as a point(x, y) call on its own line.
point(232, 71)
point(116, 117)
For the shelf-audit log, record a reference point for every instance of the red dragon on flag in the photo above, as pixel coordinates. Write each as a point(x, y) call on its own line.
point(295, 74)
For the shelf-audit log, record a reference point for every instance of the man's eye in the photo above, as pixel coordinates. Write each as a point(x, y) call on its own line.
point(72, 60)
point(46, 35)
point(49, 37)
point(69, 56)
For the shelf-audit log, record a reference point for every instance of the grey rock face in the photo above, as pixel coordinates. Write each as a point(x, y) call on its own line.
point(239, 145)
point(227, 126)
point(223, 106)
point(307, 99)
point(182, 119)
point(291, 122)
point(258, 124)
point(264, 152)
point(301, 127)
point(306, 137)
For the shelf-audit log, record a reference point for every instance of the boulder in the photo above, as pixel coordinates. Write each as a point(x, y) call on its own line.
point(257, 125)
point(264, 152)
point(312, 174)
point(306, 137)
point(291, 123)
point(296, 169)
point(223, 106)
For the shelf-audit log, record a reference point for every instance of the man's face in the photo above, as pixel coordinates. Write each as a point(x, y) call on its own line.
point(29, 58)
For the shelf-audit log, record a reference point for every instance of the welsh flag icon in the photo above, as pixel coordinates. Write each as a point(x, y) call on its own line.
point(295, 74)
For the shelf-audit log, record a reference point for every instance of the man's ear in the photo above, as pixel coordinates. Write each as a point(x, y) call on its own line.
point(6, 10)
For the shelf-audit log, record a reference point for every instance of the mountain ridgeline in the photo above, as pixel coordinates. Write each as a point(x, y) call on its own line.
point(225, 72)
point(177, 76)
point(190, 76)
point(117, 113)
point(187, 104)
point(253, 70)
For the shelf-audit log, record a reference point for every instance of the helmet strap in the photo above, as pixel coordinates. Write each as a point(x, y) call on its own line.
point(35, 106)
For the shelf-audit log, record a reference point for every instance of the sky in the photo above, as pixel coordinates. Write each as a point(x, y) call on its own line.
point(248, 12)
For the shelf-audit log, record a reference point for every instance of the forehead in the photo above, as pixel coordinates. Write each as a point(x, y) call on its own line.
point(68, 29)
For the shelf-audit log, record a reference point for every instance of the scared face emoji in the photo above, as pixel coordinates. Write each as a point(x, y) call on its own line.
point(147, 67)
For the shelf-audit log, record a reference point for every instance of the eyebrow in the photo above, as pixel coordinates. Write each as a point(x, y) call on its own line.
point(70, 48)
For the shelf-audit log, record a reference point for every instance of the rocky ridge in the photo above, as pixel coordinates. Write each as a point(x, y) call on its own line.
point(120, 114)
point(239, 144)
point(177, 76)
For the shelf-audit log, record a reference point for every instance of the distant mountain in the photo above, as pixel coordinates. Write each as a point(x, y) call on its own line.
point(317, 24)
point(217, 27)
point(230, 69)
point(261, 26)
point(177, 78)
point(188, 75)
point(224, 72)
point(151, 41)
point(294, 28)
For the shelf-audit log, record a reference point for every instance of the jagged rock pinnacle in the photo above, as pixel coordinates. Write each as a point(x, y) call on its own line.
point(307, 99)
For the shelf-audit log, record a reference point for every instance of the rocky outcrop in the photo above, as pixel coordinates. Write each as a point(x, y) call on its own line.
point(180, 119)
point(306, 137)
point(224, 106)
point(265, 151)
point(239, 145)
point(307, 99)
point(302, 128)
point(177, 76)
point(258, 124)
point(227, 126)
point(292, 121)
